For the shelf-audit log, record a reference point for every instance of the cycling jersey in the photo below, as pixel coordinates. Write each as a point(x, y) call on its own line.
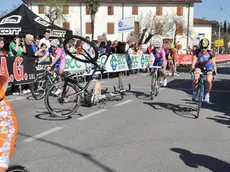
point(60, 64)
point(204, 59)
point(8, 131)
point(159, 57)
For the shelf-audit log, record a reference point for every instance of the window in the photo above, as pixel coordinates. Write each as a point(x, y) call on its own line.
point(110, 10)
point(179, 29)
point(66, 9)
point(41, 9)
point(88, 28)
point(136, 28)
point(159, 11)
point(135, 10)
point(180, 10)
point(110, 28)
point(87, 10)
point(66, 25)
point(159, 29)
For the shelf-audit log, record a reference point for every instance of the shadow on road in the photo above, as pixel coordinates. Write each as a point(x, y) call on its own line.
point(219, 98)
point(72, 150)
point(141, 95)
point(47, 117)
point(178, 109)
point(195, 160)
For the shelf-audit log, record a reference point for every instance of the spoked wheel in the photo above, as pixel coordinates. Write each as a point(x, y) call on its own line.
point(199, 95)
point(17, 168)
point(39, 87)
point(62, 97)
point(153, 87)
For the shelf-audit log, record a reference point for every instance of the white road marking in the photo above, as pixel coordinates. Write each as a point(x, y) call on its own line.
point(42, 134)
point(18, 98)
point(122, 103)
point(91, 114)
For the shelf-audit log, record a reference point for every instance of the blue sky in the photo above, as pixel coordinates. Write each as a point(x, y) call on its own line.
point(209, 9)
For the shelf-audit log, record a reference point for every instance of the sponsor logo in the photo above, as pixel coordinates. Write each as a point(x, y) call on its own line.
point(10, 31)
point(41, 21)
point(14, 19)
point(57, 33)
point(113, 63)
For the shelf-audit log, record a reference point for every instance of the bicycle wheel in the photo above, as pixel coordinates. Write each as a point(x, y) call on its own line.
point(153, 83)
point(86, 53)
point(62, 99)
point(39, 86)
point(199, 94)
point(17, 168)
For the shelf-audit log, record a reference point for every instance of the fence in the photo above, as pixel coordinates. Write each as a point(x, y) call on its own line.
point(20, 70)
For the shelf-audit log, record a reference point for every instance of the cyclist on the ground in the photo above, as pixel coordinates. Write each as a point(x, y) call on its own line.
point(8, 127)
point(59, 60)
point(204, 58)
point(158, 54)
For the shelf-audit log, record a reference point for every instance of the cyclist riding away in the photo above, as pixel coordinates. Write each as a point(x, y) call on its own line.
point(8, 127)
point(204, 58)
point(158, 53)
point(59, 60)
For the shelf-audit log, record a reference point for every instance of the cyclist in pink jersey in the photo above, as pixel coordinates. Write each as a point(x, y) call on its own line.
point(58, 56)
point(160, 58)
point(59, 60)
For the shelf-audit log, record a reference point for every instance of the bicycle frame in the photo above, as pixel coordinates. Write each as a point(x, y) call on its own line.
point(75, 82)
point(157, 70)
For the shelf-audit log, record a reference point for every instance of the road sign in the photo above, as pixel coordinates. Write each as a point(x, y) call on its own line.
point(221, 42)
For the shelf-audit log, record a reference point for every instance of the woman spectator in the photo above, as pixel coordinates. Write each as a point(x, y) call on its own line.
point(17, 47)
point(3, 52)
point(102, 48)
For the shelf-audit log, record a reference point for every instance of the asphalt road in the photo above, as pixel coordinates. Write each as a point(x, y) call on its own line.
point(132, 135)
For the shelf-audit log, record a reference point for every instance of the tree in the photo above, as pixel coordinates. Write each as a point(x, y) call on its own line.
point(54, 11)
point(165, 26)
point(225, 26)
point(179, 27)
point(152, 25)
point(92, 7)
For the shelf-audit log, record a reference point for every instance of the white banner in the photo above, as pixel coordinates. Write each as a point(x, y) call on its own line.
point(115, 63)
point(126, 25)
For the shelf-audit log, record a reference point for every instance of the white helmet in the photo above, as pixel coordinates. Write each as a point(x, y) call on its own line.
point(55, 43)
point(157, 43)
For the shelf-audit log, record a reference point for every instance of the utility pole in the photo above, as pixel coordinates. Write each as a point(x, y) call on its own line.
point(220, 24)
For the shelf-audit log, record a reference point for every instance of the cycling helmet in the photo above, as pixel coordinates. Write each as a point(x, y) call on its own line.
point(157, 43)
point(55, 43)
point(204, 43)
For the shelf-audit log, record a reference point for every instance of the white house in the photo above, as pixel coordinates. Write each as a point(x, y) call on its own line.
point(110, 12)
point(203, 28)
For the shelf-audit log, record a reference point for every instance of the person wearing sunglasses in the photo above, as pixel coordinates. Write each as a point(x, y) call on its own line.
point(158, 53)
point(204, 58)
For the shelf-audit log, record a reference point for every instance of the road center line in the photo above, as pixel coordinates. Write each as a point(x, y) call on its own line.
point(122, 103)
point(18, 98)
point(91, 114)
point(42, 134)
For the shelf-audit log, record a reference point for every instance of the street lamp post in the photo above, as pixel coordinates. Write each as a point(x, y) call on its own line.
point(220, 23)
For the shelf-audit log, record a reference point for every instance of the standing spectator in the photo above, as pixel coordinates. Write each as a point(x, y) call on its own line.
point(102, 48)
point(17, 47)
point(29, 41)
point(3, 52)
point(108, 47)
point(45, 40)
